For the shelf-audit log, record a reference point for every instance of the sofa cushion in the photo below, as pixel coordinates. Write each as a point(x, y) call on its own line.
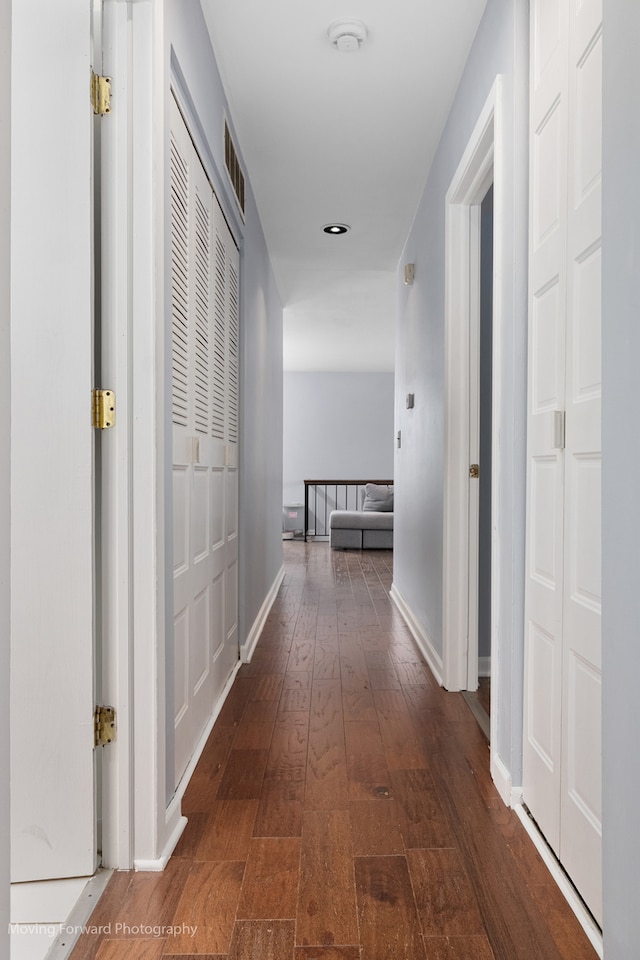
point(378, 497)
point(360, 520)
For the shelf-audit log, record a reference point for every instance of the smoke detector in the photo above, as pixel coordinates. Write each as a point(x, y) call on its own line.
point(347, 35)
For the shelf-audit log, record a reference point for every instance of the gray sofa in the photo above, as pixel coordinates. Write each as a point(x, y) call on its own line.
point(370, 527)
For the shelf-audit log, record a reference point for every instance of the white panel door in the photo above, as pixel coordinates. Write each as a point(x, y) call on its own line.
point(562, 750)
point(204, 451)
point(546, 385)
point(52, 521)
point(580, 802)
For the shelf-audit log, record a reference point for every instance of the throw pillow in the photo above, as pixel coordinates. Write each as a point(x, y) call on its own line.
point(378, 497)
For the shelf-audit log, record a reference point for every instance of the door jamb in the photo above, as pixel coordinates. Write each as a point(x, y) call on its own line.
point(482, 156)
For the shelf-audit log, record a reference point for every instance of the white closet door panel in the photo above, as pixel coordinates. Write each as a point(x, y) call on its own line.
point(581, 825)
point(562, 749)
point(542, 755)
point(205, 328)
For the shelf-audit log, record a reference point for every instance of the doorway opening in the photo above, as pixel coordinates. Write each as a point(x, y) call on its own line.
point(478, 696)
point(472, 397)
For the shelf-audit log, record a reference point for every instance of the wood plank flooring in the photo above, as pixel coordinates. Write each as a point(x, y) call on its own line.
point(342, 808)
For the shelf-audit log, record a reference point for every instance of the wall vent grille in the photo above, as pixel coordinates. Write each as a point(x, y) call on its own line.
point(232, 164)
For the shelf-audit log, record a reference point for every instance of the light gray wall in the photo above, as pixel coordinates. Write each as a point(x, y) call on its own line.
point(5, 410)
point(620, 487)
point(195, 72)
point(337, 426)
point(261, 427)
point(500, 47)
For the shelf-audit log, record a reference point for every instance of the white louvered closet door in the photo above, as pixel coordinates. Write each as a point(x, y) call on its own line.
point(205, 330)
point(562, 746)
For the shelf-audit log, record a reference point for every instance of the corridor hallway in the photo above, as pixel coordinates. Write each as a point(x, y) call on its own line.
point(342, 808)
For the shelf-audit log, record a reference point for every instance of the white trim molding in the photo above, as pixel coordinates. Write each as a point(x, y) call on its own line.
point(158, 865)
point(427, 649)
point(501, 778)
point(584, 918)
point(247, 648)
point(481, 164)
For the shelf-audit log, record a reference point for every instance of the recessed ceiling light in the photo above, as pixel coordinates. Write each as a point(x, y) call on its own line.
point(336, 228)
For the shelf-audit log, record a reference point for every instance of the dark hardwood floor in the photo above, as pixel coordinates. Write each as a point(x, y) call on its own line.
point(484, 694)
point(342, 808)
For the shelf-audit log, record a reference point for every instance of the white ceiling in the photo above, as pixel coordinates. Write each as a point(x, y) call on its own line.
point(339, 137)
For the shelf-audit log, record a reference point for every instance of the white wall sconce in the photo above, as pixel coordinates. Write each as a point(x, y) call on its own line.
point(409, 273)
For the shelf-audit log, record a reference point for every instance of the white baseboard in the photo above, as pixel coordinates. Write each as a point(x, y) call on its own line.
point(247, 648)
point(427, 649)
point(484, 666)
point(175, 822)
point(502, 779)
point(158, 865)
point(583, 916)
point(188, 773)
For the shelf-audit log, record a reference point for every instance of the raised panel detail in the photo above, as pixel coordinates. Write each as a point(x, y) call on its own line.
point(231, 597)
point(200, 640)
point(585, 531)
point(217, 507)
point(200, 512)
point(588, 139)
point(587, 364)
point(232, 503)
point(180, 669)
point(584, 759)
point(544, 483)
point(216, 594)
point(547, 34)
point(544, 346)
point(542, 665)
point(180, 525)
point(546, 176)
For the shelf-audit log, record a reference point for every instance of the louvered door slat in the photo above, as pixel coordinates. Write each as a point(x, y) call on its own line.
point(219, 365)
point(179, 286)
point(233, 354)
point(202, 300)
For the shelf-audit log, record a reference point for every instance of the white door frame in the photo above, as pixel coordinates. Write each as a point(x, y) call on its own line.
point(481, 163)
point(5, 455)
point(139, 828)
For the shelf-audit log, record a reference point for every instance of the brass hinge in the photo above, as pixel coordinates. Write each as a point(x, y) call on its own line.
point(474, 471)
point(100, 94)
point(104, 726)
point(103, 409)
